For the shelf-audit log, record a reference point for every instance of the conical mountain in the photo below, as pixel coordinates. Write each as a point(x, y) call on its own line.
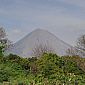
point(25, 46)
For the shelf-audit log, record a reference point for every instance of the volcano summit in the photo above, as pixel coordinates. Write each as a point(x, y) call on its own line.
point(25, 46)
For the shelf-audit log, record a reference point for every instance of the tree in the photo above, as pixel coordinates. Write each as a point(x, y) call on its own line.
point(81, 45)
point(4, 42)
point(40, 49)
point(79, 48)
point(71, 51)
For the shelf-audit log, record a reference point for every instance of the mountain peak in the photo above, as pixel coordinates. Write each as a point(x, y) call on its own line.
point(40, 30)
point(25, 46)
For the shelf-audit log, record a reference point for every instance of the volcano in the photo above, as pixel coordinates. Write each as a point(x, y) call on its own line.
point(25, 46)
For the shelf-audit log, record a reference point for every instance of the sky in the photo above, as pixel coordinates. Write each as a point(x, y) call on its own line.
point(63, 18)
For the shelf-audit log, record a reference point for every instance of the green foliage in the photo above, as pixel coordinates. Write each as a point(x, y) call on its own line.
point(1, 50)
point(49, 69)
point(4, 76)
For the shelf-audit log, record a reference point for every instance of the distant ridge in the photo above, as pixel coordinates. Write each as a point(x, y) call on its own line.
point(25, 46)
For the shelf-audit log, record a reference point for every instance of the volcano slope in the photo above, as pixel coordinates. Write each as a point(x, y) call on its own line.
point(39, 38)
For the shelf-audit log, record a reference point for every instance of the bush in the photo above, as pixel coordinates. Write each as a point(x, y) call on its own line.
point(4, 75)
point(48, 69)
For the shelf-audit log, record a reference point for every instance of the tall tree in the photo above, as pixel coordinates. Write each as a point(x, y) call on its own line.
point(81, 45)
point(79, 48)
point(4, 42)
point(40, 49)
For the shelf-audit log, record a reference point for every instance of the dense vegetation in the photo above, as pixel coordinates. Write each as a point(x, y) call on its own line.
point(46, 69)
point(49, 69)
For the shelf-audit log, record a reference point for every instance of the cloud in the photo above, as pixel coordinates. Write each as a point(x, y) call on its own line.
point(58, 16)
point(16, 31)
point(76, 3)
point(45, 17)
point(79, 3)
point(15, 34)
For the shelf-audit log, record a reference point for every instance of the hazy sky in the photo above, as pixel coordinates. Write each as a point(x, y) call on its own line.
point(64, 18)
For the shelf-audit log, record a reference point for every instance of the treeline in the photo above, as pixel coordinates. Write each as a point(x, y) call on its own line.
point(49, 69)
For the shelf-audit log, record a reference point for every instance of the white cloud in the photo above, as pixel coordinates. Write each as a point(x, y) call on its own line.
point(51, 18)
point(16, 31)
point(80, 3)
point(15, 34)
point(47, 17)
